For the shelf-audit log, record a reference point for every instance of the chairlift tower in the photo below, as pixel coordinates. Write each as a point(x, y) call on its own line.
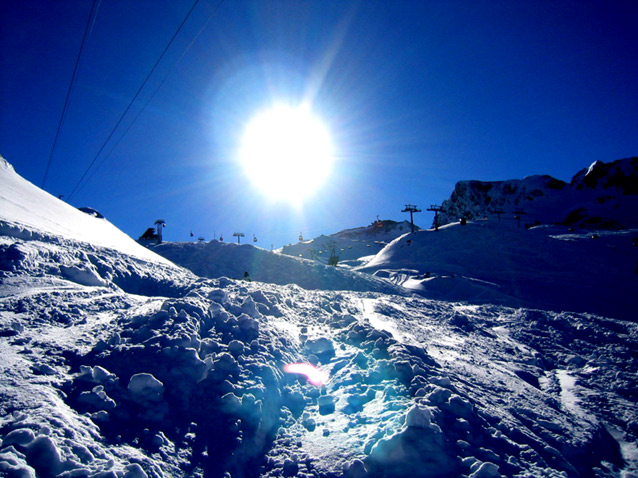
point(517, 215)
point(159, 225)
point(238, 235)
point(498, 212)
point(411, 208)
point(436, 209)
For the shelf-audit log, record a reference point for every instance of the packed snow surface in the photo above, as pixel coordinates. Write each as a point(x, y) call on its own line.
point(114, 364)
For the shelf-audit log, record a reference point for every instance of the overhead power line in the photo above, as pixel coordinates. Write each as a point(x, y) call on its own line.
point(133, 99)
point(87, 33)
point(150, 98)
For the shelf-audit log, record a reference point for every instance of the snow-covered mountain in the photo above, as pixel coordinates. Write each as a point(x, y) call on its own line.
point(116, 363)
point(605, 195)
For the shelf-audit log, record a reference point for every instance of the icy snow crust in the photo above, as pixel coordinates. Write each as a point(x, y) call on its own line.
point(113, 366)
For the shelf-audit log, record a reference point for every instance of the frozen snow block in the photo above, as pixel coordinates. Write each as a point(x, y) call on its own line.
point(102, 376)
point(236, 348)
point(486, 470)
point(460, 407)
point(12, 465)
point(218, 295)
point(44, 456)
point(226, 363)
point(144, 387)
point(438, 395)
point(355, 469)
point(420, 417)
point(97, 399)
point(134, 471)
point(249, 307)
point(291, 468)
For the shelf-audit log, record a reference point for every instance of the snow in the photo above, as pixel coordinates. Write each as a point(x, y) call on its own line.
point(493, 262)
point(449, 362)
point(601, 196)
point(26, 211)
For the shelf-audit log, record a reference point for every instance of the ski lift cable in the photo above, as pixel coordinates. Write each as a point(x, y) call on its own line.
point(150, 98)
point(87, 33)
point(133, 99)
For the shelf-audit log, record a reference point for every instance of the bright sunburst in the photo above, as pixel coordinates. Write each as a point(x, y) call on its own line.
point(287, 152)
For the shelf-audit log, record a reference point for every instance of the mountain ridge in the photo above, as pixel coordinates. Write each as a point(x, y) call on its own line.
point(603, 196)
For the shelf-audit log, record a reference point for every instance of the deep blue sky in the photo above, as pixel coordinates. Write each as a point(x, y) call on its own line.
point(418, 95)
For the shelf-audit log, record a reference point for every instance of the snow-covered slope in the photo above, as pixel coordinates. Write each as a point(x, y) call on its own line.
point(189, 380)
point(27, 212)
point(349, 245)
point(219, 259)
point(494, 262)
point(604, 195)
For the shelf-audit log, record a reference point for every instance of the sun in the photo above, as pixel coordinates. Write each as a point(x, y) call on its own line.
point(287, 152)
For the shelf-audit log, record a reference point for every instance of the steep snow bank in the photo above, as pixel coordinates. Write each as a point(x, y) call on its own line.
point(351, 244)
point(43, 236)
point(27, 212)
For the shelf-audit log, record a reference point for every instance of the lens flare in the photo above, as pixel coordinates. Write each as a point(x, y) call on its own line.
point(314, 375)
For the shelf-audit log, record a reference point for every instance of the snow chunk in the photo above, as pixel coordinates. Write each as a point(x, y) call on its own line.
point(134, 471)
point(44, 456)
point(420, 417)
point(355, 469)
point(12, 464)
point(249, 326)
point(460, 407)
point(21, 436)
point(97, 398)
point(486, 470)
point(236, 347)
point(144, 387)
point(326, 404)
